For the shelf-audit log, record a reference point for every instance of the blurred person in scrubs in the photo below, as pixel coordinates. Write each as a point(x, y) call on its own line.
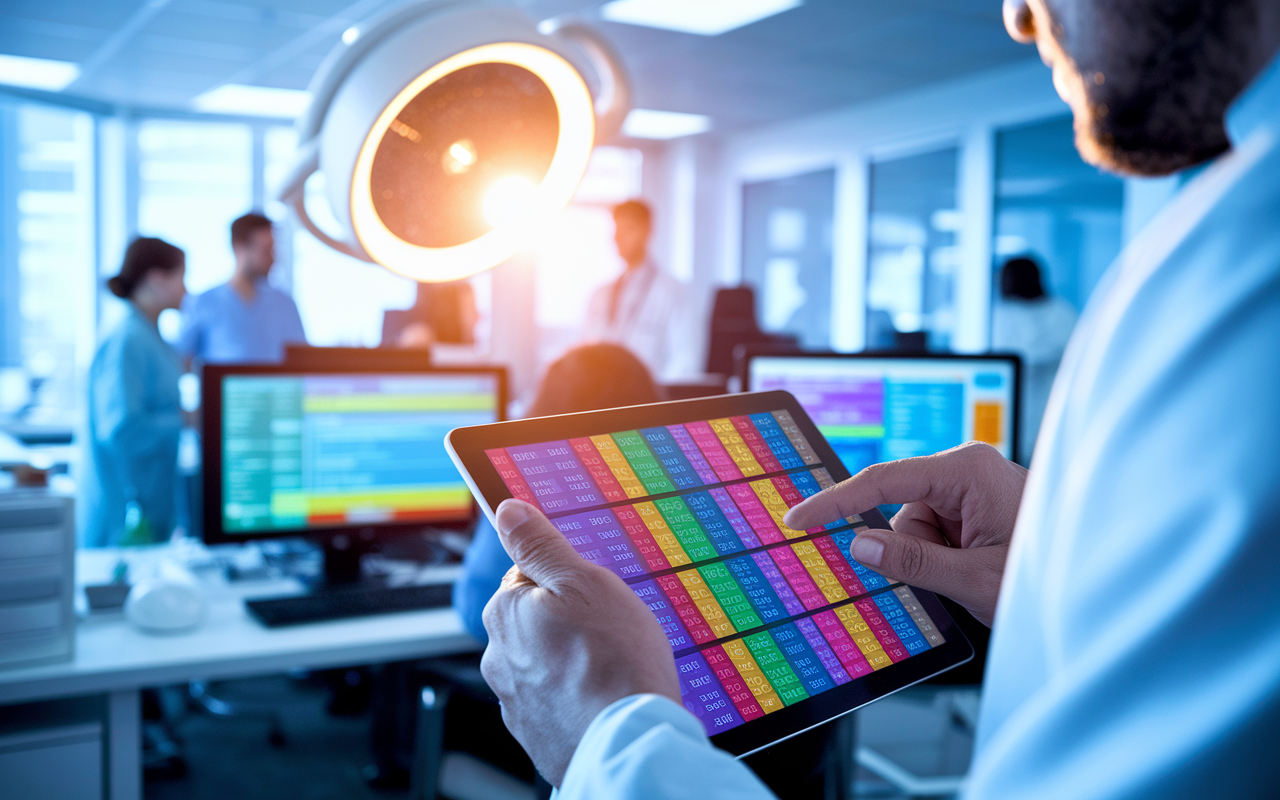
point(1028, 321)
point(246, 320)
point(135, 413)
point(1130, 576)
point(645, 310)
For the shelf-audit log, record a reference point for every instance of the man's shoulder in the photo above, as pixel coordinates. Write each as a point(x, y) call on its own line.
point(276, 295)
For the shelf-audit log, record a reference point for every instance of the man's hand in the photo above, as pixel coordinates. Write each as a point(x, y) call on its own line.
point(951, 536)
point(566, 639)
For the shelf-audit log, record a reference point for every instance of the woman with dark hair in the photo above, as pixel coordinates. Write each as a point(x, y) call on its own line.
point(135, 415)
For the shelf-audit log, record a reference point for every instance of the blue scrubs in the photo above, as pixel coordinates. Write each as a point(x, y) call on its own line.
point(135, 417)
point(219, 327)
point(483, 566)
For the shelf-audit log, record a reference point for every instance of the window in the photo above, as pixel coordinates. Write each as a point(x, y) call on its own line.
point(913, 254)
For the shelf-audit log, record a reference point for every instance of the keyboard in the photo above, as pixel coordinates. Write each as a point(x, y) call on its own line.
point(357, 601)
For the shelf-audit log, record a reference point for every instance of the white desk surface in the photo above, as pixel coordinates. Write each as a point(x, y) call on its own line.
point(113, 655)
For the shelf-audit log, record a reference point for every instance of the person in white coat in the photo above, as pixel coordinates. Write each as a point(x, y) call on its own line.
point(646, 310)
point(1036, 325)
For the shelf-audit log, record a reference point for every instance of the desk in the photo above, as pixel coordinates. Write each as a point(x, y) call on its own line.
point(115, 660)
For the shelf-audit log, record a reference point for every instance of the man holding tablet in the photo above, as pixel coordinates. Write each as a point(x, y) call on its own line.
point(1136, 648)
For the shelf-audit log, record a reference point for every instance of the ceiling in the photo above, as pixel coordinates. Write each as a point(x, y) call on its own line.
point(825, 54)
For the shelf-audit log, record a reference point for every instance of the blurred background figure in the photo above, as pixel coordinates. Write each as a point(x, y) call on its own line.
point(646, 310)
point(245, 320)
point(443, 313)
point(135, 414)
point(1028, 321)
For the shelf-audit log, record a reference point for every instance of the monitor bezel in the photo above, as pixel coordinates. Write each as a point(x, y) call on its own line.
point(1015, 439)
point(468, 446)
point(211, 381)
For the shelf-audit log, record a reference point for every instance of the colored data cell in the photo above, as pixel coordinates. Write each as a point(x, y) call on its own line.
point(777, 441)
point(691, 452)
point(894, 614)
point(598, 537)
point(880, 627)
point(736, 448)
point(819, 570)
point(703, 695)
point(842, 644)
point(604, 479)
point(830, 662)
point(839, 566)
point(662, 534)
point(707, 604)
point(753, 676)
point(731, 597)
point(758, 589)
point(863, 637)
point(510, 475)
point(774, 665)
point(617, 464)
point(642, 539)
point(803, 660)
point(668, 453)
point(797, 577)
point(559, 482)
point(755, 443)
point(791, 495)
point(775, 505)
point(778, 582)
point(870, 579)
point(661, 607)
point(793, 434)
point(713, 451)
point(685, 608)
point(681, 521)
point(643, 462)
point(741, 528)
point(825, 481)
point(732, 682)
point(757, 516)
point(713, 521)
point(924, 623)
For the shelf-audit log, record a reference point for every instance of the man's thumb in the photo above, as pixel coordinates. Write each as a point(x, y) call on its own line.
point(961, 574)
point(537, 547)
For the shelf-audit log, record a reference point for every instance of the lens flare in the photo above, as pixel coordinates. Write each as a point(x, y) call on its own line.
point(460, 156)
point(509, 201)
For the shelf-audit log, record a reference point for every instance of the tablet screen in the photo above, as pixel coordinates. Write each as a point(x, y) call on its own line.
point(760, 617)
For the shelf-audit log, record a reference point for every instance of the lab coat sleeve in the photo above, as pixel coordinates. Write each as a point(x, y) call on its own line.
point(646, 747)
point(128, 425)
point(686, 335)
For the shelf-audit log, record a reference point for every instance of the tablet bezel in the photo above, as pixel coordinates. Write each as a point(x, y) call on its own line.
point(467, 447)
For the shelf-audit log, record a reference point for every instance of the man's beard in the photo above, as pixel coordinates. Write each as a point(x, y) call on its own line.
point(1171, 69)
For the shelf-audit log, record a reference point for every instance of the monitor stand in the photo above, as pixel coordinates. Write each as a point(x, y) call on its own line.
point(342, 561)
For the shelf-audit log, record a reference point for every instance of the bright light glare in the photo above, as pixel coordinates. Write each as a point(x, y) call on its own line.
point(37, 73)
point(256, 101)
point(509, 201)
point(460, 156)
point(350, 35)
point(703, 17)
point(644, 123)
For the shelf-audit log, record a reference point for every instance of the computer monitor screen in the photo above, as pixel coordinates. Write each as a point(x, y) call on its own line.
point(301, 452)
point(873, 409)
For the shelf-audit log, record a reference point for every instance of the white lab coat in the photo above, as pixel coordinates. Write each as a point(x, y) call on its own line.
point(655, 319)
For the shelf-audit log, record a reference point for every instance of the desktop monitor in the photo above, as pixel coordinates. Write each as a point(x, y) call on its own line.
point(344, 453)
point(881, 407)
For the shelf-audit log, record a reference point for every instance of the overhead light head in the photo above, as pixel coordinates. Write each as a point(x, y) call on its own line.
point(447, 132)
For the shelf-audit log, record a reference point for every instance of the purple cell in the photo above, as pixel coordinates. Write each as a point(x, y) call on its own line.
point(825, 654)
point(780, 586)
point(598, 537)
point(734, 515)
point(704, 696)
point(556, 476)
point(658, 603)
point(691, 452)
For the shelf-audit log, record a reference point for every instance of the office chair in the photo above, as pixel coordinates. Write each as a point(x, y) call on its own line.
point(733, 323)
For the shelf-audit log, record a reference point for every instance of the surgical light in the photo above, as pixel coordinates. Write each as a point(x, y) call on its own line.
point(447, 131)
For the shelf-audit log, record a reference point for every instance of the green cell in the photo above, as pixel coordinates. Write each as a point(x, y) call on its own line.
point(643, 462)
point(775, 667)
point(730, 596)
point(686, 528)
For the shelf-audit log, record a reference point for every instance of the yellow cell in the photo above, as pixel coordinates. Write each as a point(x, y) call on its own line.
point(820, 571)
point(862, 636)
point(706, 602)
point(662, 534)
point(775, 505)
point(825, 482)
point(738, 450)
point(752, 676)
point(618, 465)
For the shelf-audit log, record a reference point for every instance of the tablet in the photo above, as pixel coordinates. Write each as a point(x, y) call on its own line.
point(774, 630)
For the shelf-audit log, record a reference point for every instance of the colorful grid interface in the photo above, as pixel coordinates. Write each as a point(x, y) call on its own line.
point(760, 616)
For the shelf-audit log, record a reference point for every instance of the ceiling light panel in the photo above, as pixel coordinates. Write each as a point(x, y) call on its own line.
point(255, 101)
point(37, 73)
point(644, 123)
point(703, 17)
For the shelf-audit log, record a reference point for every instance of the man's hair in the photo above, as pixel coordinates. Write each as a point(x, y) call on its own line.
point(1020, 279)
point(634, 209)
point(594, 376)
point(242, 229)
